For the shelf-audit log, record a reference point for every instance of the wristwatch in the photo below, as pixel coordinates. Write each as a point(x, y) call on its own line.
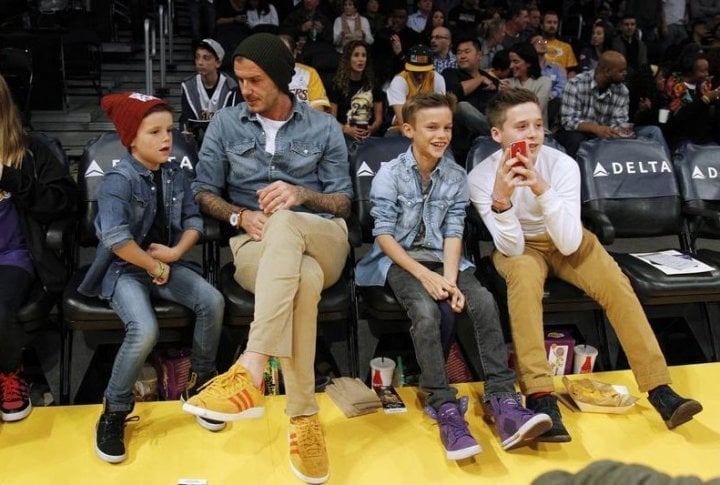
point(499, 201)
point(236, 218)
point(498, 211)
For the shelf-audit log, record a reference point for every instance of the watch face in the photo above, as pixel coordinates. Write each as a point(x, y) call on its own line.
point(234, 219)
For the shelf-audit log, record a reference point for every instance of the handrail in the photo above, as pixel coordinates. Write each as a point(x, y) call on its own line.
point(162, 20)
point(171, 30)
point(148, 60)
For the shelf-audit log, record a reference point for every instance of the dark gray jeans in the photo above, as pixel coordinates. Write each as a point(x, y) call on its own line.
point(480, 308)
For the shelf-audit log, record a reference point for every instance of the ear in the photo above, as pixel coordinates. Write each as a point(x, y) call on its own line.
point(407, 130)
point(496, 135)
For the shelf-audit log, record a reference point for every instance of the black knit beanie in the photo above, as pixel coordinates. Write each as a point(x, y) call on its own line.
point(271, 55)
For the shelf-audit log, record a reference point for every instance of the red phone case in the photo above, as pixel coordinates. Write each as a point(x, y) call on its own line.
point(518, 147)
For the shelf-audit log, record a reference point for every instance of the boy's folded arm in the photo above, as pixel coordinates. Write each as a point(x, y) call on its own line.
point(133, 254)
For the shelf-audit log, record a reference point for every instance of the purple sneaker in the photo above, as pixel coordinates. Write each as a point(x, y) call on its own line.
point(454, 431)
point(515, 425)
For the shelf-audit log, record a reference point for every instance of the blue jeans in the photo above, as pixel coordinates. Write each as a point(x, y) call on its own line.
point(480, 308)
point(132, 302)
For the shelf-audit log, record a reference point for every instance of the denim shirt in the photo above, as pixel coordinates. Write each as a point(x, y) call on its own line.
point(126, 210)
point(310, 151)
point(398, 209)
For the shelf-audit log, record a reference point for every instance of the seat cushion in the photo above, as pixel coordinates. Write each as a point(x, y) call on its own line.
point(38, 305)
point(650, 282)
point(380, 302)
point(88, 313)
point(240, 303)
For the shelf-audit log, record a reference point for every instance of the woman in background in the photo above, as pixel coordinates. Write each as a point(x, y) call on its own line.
point(35, 189)
point(599, 43)
point(350, 26)
point(356, 99)
point(526, 73)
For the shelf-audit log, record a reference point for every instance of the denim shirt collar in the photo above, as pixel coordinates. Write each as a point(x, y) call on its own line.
point(411, 163)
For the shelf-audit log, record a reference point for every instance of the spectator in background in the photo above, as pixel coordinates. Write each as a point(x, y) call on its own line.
point(261, 12)
point(436, 19)
point(306, 84)
point(500, 68)
point(628, 44)
point(648, 15)
point(351, 26)
point(35, 189)
point(392, 43)
point(691, 99)
point(440, 45)
point(526, 73)
point(515, 25)
point(202, 18)
point(206, 92)
point(464, 19)
point(473, 88)
point(558, 51)
point(550, 70)
point(674, 20)
point(534, 20)
point(420, 17)
point(492, 40)
point(704, 9)
point(595, 104)
point(599, 43)
point(376, 18)
point(419, 76)
point(356, 99)
point(308, 21)
point(231, 25)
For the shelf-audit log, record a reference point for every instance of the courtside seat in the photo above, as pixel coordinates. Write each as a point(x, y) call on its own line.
point(90, 322)
point(630, 188)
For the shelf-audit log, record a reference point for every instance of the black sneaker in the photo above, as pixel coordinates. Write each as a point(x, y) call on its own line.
point(109, 435)
point(192, 388)
point(674, 410)
point(547, 404)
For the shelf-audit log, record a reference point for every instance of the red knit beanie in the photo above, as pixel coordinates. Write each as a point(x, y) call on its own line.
point(126, 111)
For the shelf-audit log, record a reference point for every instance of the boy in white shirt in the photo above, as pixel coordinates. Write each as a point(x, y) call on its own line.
point(531, 206)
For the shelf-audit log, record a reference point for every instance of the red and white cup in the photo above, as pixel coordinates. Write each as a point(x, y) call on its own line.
point(584, 358)
point(381, 371)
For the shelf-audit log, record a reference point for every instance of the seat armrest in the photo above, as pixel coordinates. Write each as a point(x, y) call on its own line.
point(60, 234)
point(598, 223)
point(212, 229)
point(711, 215)
point(354, 231)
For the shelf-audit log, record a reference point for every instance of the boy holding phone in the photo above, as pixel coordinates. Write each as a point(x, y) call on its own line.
point(418, 204)
point(531, 206)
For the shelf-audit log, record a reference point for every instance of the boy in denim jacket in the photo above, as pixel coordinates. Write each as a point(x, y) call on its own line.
point(147, 220)
point(418, 203)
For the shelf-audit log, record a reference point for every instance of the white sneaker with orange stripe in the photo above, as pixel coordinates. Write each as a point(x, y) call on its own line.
point(308, 455)
point(228, 397)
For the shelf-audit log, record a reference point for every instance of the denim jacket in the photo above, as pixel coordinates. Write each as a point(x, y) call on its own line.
point(126, 210)
point(310, 151)
point(398, 208)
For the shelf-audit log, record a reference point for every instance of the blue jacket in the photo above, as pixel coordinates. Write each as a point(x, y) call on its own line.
point(126, 210)
point(310, 151)
point(398, 208)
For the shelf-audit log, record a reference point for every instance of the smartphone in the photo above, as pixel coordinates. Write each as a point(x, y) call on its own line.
point(516, 148)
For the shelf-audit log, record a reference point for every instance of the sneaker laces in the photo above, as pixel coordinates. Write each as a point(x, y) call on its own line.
point(515, 406)
point(13, 387)
point(112, 424)
point(454, 421)
point(219, 385)
point(309, 437)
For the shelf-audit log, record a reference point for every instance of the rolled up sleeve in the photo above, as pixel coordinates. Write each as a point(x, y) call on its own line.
point(112, 223)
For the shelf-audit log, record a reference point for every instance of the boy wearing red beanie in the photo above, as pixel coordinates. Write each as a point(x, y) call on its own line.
point(147, 220)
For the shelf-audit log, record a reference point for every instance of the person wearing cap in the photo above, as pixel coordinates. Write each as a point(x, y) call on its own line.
point(277, 172)
point(207, 91)
point(146, 221)
point(418, 77)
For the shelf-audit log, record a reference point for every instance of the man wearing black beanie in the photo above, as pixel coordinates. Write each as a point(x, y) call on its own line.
point(284, 168)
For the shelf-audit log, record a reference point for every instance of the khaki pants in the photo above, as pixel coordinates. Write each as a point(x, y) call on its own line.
point(593, 270)
point(299, 255)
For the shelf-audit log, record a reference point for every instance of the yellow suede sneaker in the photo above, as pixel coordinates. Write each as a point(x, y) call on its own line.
point(308, 456)
point(228, 397)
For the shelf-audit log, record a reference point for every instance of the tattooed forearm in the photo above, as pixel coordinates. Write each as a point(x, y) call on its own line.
point(215, 206)
point(336, 204)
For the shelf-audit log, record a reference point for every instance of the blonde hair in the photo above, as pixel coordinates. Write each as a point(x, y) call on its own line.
point(12, 146)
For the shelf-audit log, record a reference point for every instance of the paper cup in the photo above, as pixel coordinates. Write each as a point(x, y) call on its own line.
point(382, 369)
point(663, 115)
point(584, 360)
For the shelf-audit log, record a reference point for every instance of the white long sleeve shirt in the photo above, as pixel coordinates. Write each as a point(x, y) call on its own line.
point(555, 213)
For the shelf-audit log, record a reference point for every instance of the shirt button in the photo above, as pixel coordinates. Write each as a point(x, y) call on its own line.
point(305, 152)
point(272, 167)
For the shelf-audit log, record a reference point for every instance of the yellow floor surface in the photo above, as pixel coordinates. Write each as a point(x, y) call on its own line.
point(55, 445)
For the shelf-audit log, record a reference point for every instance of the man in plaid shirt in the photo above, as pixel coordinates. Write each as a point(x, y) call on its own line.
point(595, 104)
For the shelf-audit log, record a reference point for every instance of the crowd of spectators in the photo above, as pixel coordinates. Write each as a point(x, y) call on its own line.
point(670, 52)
